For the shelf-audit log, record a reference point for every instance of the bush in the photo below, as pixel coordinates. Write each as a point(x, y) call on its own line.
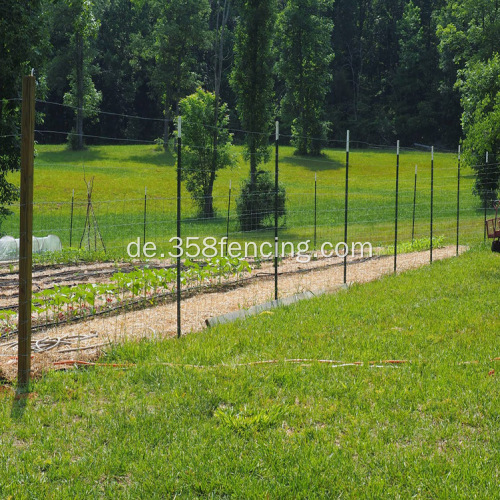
point(255, 205)
point(159, 144)
point(72, 140)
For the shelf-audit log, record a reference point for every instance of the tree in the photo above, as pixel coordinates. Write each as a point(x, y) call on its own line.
point(480, 89)
point(255, 206)
point(352, 19)
point(76, 51)
point(21, 45)
point(469, 31)
point(179, 31)
point(305, 53)
point(252, 77)
point(122, 76)
point(220, 18)
point(252, 82)
point(219, 33)
point(198, 145)
point(411, 79)
point(83, 94)
point(366, 56)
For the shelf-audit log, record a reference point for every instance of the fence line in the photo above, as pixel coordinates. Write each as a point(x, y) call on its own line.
point(322, 205)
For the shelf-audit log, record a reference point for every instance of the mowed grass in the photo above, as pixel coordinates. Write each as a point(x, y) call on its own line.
point(121, 174)
point(426, 429)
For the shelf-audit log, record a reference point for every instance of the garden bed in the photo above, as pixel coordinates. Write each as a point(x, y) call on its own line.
point(85, 340)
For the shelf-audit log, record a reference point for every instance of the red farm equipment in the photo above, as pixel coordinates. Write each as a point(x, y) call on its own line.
point(493, 228)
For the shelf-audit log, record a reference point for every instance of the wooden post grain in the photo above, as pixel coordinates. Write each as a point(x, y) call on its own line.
point(26, 232)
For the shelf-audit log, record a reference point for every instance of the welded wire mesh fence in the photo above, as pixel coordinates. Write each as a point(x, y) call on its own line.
point(106, 280)
point(371, 210)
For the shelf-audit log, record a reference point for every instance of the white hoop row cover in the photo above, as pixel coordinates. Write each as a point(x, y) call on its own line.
point(9, 246)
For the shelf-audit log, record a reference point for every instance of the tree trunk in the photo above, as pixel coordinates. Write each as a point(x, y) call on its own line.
point(79, 90)
point(218, 61)
point(166, 126)
point(208, 205)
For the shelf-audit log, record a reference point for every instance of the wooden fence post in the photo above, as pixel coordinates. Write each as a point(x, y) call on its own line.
point(26, 233)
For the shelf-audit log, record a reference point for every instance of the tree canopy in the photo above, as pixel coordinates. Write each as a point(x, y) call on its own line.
point(422, 71)
point(22, 44)
point(204, 152)
point(304, 54)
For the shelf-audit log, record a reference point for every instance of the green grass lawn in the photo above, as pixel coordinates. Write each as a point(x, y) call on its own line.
point(123, 172)
point(427, 429)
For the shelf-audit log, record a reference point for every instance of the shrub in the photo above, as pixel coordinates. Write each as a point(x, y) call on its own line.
point(255, 205)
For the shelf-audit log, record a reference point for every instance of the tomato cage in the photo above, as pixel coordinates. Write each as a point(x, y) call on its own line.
point(493, 228)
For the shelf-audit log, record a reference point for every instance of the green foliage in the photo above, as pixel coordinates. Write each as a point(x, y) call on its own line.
point(252, 82)
point(252, 78)
point(169, 48)
point(480, 88)
point(120, 75)
point(159, 144)
point(256, 203)
point(206, 149)
point(143, 56)
point(366, 54)
point(469, 31)
point(77, 256)
point(78, 52)
point(145, 287)
point(416, 94)
point(305, 54)
point(21, 47)
point(419, 245)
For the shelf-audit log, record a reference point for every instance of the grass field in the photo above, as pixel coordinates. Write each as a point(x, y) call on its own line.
point(123, 172)
point(426, 429)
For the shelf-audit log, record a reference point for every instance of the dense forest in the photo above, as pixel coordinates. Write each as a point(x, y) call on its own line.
point(422, 71)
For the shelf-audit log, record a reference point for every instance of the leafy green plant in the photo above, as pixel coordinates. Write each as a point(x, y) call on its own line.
point(7, 325)
point(76, 256)
point(419, 245)
point(146, 285)
point(159, 144)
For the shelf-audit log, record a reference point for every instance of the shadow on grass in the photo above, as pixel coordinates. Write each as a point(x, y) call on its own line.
point(67, 155)
point(156, 158)
point(314, 163)
point(19, 404)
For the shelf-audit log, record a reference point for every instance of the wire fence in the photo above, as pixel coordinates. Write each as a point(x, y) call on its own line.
point(119, 274)
point(315, 210)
